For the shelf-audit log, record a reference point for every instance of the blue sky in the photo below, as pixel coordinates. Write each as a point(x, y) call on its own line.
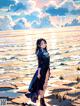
point(31, 14)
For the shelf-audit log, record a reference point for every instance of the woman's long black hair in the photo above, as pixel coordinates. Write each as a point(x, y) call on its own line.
point(38, 43)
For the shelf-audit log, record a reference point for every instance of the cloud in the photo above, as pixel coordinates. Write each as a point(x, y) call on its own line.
point(41, 3)
point(78, 18)
point(21, 23)
point(75, 12)
point(42, 23)
point(54, 12)
point(17, 7)
point(32, 17)
point(62, 3)
point(20, 5)
point(75, 22)
point(60, 21)
point(6, 3)
point(19, 26)
point(6, 23)
point(76, 3)
point(27, 14)
point(58, 3)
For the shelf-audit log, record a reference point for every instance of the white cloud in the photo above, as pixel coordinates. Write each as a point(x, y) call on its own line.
point(36, 6)
point(22, 22)
point(16, 1)
point(5, 23)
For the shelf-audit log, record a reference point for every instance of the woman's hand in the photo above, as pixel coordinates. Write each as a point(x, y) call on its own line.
point(39, 73)
point(39, 76)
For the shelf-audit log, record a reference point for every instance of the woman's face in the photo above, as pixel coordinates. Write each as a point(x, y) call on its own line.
point(43, 44)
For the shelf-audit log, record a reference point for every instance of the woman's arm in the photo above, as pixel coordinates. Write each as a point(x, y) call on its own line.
point(39, 56)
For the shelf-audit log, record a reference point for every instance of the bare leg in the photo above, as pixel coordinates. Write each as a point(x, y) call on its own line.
point(42, 92)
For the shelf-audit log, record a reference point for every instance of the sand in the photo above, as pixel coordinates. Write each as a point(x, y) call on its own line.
point(18, 64)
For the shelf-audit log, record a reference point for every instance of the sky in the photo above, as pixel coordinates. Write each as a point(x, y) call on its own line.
point(35, 14)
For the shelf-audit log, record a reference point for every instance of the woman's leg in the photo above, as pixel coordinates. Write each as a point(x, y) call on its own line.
point(42, 92)
point(46, 80)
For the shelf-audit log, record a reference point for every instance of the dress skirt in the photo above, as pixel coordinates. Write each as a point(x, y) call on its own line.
point(37, 84)
point(33, 87)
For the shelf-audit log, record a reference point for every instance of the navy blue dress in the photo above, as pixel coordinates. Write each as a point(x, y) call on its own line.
point(36, 84)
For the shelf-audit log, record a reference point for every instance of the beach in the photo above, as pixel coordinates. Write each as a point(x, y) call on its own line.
point(18, 64)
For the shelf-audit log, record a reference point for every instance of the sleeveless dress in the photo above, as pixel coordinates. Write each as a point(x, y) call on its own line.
point(37, 84)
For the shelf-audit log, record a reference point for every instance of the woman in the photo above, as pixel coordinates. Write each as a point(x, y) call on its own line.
point(39, 81)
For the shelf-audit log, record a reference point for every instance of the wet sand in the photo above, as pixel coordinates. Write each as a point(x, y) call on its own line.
point(18, 64)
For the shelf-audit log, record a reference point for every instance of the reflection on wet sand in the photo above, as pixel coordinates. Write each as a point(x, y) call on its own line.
point(18, 64)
